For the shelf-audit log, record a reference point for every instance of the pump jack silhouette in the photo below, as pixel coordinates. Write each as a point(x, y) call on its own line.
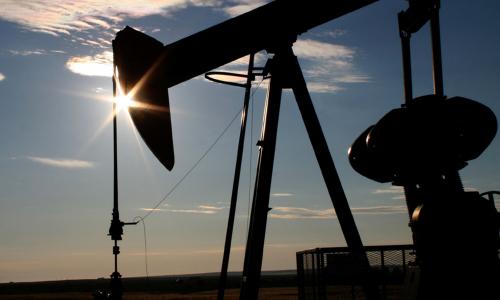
point(146, 69)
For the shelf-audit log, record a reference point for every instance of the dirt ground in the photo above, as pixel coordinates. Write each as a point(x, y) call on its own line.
point(232, 294)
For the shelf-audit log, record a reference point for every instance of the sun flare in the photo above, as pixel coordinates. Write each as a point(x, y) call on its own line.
point(123, 102)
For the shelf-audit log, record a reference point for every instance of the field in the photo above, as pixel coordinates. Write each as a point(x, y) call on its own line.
point(231, 294)
point(276, 285)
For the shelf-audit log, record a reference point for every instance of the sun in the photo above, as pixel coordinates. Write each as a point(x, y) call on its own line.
point(123, 102)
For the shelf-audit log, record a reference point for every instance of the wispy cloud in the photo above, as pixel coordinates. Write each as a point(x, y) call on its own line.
point(28, 52)
point(313, 49)
point(333, 33)
point(200, 209)
point(282, 194)
point(395, 192)
point(151, 209)
point(390, 190)
point(242, 6)
point(282, 212)
point(328, 66)
point(62, 162)
point(210, 207)
point(380, 210)
point(35, 52)
point(2, 77)
point(98, 65)
point(64, 17)
point(58, 51)
point(97, 21)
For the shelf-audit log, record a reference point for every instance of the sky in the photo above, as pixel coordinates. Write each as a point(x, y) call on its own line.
point(56, 170)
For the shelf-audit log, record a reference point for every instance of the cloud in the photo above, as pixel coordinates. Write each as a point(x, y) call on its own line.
point(282, 194)
point(334, 33)
point(328, 67)
point(99, 90)
point(201, 209)
point(97, 21)
point(98, 65)
point(35, 52)
point(380, 210)
point(396, 192)
point(2, 77)
point(323, 87)
point(209, 207)
point(151, 209)
point(64, 17)
point(242, 6)
point(390, 190)
point(312, 49)
point(281, 212)
point(28, 52)
point(62, 162)
point(292, 213)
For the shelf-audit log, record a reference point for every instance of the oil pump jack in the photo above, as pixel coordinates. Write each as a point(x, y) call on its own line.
point(421, 147)
point(146, 69)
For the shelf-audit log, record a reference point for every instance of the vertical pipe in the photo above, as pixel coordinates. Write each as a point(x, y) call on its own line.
point(236, 181)
point(115, 157)
point(437, 65)
point(408, 88)
point(116, 285)
point(116, 257)
point(406, 56)
point(260, 207)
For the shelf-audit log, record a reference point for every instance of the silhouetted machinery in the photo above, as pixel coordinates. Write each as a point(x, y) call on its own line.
point(146, 69)
point(422, 146)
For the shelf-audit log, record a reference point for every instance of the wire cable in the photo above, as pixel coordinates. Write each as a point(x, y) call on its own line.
point(193, 166)
point(141, 219)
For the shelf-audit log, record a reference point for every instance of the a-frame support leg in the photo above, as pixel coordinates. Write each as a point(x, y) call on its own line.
point(330, 175)
point(286, 73)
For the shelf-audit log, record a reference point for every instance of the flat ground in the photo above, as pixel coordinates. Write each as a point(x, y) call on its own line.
point(231, 294)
